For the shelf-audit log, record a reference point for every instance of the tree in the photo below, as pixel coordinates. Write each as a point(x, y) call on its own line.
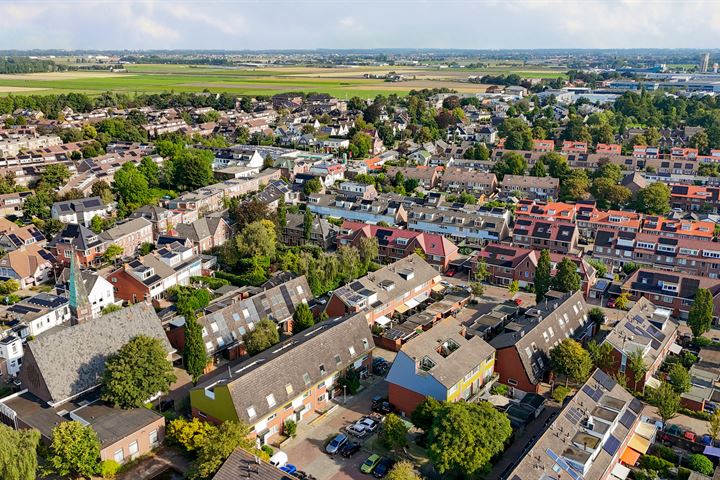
point(308, 220)
point(557, 164)
point(18, 456)
point(131, 186)
point(638, 367)
point(538, 170)
point(263, 336)
point(146, 248)
point(74, 450)
point(679, 378)
point(714, 425)
point(622, 301)
point(597, 315)
point(602, 355)
point(513, 288)
point(609, 194)
point(424, 414)
point(368, 250)
point(110, 308)
point(150, 170)
point(97, 224)
point(302, 318)
point(465, 436)
point(575, 186)
point(653, 199)
point(136, 373)
point(599, 266)
point(102, 189)
point(569, 358)
point(194, 354)
point(312, 186)
point(360, 144)
point(511, 163)
point(701, 312)
point(394, 432)
point(403, 470)
point(193, 168)
point(281, 215)
point(221, 442)
point(54, 175)
point(249, 212)
point(189, 434)
point(477, 288)
point(567, 279)
point(701, 464)
point(112, 252)
point(543, 278)
point(257, 239)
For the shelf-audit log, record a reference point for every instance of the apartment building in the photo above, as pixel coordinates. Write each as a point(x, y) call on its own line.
point(536, 188)
point(549, 211)
point(80, 211)
point(427, 177)
point(558, 237)
point(456, 179)
point(476, 226)
point(380, 209)
point(322, 233)
point(129, 235)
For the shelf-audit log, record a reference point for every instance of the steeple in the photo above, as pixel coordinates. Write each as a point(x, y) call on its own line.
point(80, 309)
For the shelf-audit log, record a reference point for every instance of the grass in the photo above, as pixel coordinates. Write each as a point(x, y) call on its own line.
point(339, 82)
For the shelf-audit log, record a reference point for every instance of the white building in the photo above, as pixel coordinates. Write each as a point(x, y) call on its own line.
point(11, 351)
point(41, 312)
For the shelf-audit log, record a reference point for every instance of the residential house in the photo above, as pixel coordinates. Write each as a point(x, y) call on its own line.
point(594, 436)
point(80, 211)
point(359, 190)
point(381, 209)
point(675, 291)
point(541, 188)
point(395, 243)
point(381, 292)
point(12, 203)
point(322, 232)
point(443, 363)
point(569, 146)
point(608, 149)
point(472, 181)
point(486, 134)
point(61, 383)
point(129, 235)
point(11, 353)
point(523, 347)
point(147, 278)
point(13, 236)
point(205, 233)
point(427, 177)
point(249, 466)
point(80, 241)
point(476, 226)
point(695, 198)
point(161, 218)
point(30, 265)
point(100, 292)
point(558, 237)
point(647, 329)
point(549, 211)
point(290, 381)
point(40, 313)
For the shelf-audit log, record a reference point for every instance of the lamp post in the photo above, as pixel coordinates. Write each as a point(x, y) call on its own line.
point(344, 394)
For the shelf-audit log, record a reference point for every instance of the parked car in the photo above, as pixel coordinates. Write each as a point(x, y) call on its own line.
point(369, 423)
point(383, 467)
point(611, 303)
point(279, 459)
point(289, 468)
point(706, 440)
point(369, 465)
point(382, 407)
point(336, 443)
point(689, 435)
point(450, 272)
point(350, 449)
point(357, 430)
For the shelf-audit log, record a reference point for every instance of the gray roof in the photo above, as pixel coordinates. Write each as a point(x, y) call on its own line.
point(243, 465)
point(80, 205)
point(123, 229)
point(320, 227)
point(66, 362)
point(294, 361)
point(199, 229)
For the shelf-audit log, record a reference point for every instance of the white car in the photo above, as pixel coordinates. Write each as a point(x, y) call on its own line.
point(369, 423)
point(357, 430)
point(279, 459)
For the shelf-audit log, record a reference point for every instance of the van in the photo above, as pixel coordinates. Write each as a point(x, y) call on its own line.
point(279, 459)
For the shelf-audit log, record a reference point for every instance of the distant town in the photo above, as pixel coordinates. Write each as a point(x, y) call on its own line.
point(509, 273)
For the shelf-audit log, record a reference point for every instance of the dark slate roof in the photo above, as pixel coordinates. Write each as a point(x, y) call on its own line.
point(79, 236)
point(243, 465)
point(71, 360)
point(80, 205)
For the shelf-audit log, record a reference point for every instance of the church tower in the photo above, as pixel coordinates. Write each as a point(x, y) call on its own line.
point(80, 308)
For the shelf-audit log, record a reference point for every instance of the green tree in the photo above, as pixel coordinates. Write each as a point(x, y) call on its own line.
point(193, 168)
point(74, 450)
point(465, 436)
point(622, 301)
point(477, 288)
point(557, 164)
point(424, 414)
point(714, 425)
point(308, 221)
point(18, 456)
point(146, 248)
point(602, 355)
point(195, 357)
point(257, 239)
point(653, 199)
point(701, 464)
point(97, 224)
point(248, 212)
point(312, 186)
point(538, 170)
point(513, 288)
point(511, 163)
point(281, 214)
point(110, 308)
point(638, 367)
point(701, 312)
point(221, 442)
point(609, 194)
point(189, 434)
point(131, 186)
point(368, 250)
point(102, 189)
point(302, 318)
point(112, 252)
point(150, 170)
point(566, 279)
point(263, 336)
point(394, 432)
point(136, 373)
point(679, 378)
point(54, 175)
point(575, 186)
point(599, 266)
point(543, 277)
point(403, 470)
point(570, 359)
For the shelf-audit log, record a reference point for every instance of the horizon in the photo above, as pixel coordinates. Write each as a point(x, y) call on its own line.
point(306, 25)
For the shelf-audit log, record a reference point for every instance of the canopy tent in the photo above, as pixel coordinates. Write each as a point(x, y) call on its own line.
point(675, 348)
point(438, 288)
point(402, 309)
point(646, 430)
point(421, 298)
point(620, 472)
point(412, 303)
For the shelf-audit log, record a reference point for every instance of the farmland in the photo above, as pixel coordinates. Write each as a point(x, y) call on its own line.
point(339, 82)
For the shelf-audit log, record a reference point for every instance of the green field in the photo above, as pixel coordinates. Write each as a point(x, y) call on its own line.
point(339, 82)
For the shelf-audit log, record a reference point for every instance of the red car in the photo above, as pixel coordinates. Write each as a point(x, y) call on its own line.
point(518, 301)
point(450, 273)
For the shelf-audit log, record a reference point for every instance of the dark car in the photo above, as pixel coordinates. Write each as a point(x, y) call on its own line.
point(383, 408)
point(383, 467)
point(350, 449)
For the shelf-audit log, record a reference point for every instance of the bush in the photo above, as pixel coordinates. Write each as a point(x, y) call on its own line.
point(701, 464)
point(560, 393)
point(212, 282)
point(500, 389)
point(651, 462)
point(290, 428)
point(268, 449)
point(666, 453)
point(108, 468)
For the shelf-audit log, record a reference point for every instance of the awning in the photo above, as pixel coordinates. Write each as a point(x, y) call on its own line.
point(402, 309)
point(639, 443)
point(412, 303)
point(675, 348)
point(438, 288)
point(620, 471)
point(630, 457)
point(653, 382)
point(712, 451)
point(646, 430)
point(421, 298)
point(383, 320)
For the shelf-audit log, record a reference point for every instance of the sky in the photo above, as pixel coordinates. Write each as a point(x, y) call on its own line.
point(307, 24)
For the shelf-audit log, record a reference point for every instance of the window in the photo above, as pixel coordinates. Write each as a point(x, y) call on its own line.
point(153, 437)
point(133, 449)
point(322, 369)
point(209, 346)
point(306, 379)
point(270, 400)
point(338, 361)
point(251, 411)
point(289, 389)
point(119, 456)
point(214, 327)
point(512, 382)
point(365, 343)
point(552, 332)
point(352, 350)
point(528, 352)
point(251, 326)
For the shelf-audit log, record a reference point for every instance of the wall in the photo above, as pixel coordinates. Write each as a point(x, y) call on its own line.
point(143, 440)
point(218, 410)
point(508, 366)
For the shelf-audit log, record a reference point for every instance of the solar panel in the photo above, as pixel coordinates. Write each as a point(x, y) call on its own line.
point(574, 415)
point(604, 379)
point(611, 445)
point(563, 464)
point(636, 405)
point(628, 418)
point(655, 345)
point(596, 395)
point(588, 391)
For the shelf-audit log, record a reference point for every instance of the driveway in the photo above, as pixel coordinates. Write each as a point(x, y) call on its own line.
point(306, 450)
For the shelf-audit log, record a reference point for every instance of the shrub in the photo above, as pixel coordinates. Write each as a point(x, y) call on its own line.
point(267, 449)
point(683, 473)
point(560, 393)
point(108, 468)
point(651, 462)
point(500, 389)
point(666, 453)
point(701, 464)
point(290, 428)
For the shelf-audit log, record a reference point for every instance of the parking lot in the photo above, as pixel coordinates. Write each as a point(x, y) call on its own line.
point(307, 449)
